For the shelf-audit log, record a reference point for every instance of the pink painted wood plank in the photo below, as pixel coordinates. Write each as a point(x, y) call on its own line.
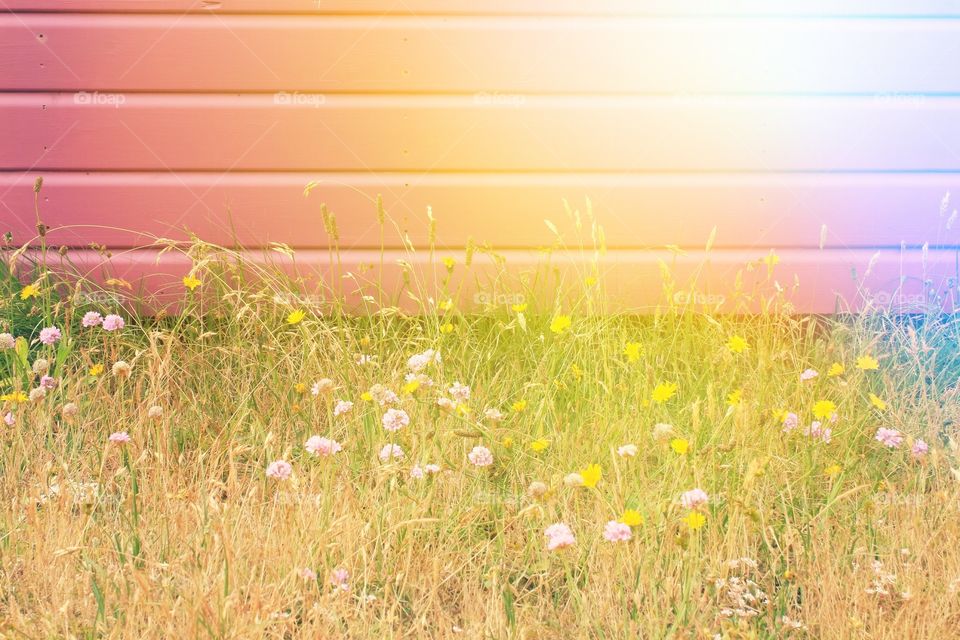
point(472, 54)
point(757, 211)
point(604, 7)
point(829, 281)
point(455, 133)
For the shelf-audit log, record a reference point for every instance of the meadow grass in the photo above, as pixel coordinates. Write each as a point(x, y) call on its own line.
point(181, 531)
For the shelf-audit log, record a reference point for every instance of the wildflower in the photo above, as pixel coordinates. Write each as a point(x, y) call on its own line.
point(391, 451)
point(411, 386)
point(573, 480)
point(9, 419)
point(889, 437)
point(919, 449)
point(833, 470)
point(617, 532)
point(416, 472)
point(295, 317)
point(817, 430)
point(662, 431)
point(322, 446)
point(40, 366)
point(507, 442)
point(29, 291)
point(734, 398)
point(50, 335)
point(119, 437)
point(877, 402)
point(113, 322)
point(446, 404)
point(383, 395)
point(446, 328)
point(664, 391)
point(38, 394)
point(445, 305)
point(459, 392)
point(559, 536)
point(279, 470)
point(679, 446)
point(48, 382)
point(449, 262)
point(16, 397)
point(809, 374)
point(480, 457)
point(867, 363)
point(591, 475)
point(540, 444)
point(771, 259)
point(191, 282)
point(96, 370)
point(91, 319)
point(421, 361)
point(737, 344)
point(519, 406)
point(493, 415)
point(431, 469)
point(536, 489)
point(560, 324)
point(694, 498)
point(633, 351)
point(695, 520)
point(7, 341)
point(836, 369)
point(308, 574)
point(340, 579)
point(395, 419)
point(323, 385)
point(631, 518)
point(155, 412)
point(823, 409)
point(627, 450)
point(790, 422)
point(121, 369)
point(519, 308)
point(342, 407)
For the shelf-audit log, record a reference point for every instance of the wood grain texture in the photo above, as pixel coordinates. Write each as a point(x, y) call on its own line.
point(501, 7)
point(760, 212)
point(456, 133)
point(812, 281)
point(471, 54)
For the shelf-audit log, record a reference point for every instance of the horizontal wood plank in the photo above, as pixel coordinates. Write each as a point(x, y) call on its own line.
point(503, 210)
point(505, 55)
point(506, 7)
point(450, 133)
point(812, 281)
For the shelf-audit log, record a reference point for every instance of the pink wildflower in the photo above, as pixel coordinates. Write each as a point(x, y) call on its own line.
point(416, 472)
point(280, 470)
point(9, 419)
point(48, 382)
point(559, 536)
point(342, 406)
point(459, 392)
point(119, 437)
point(322, 446)
point(480, 457)
point(627, 450)
point(113, 322)
point(50, 335)
point(617, 532)
point(91, 319)
point(694, 498)
point(391, 451)
point(340, 578)
point(395, 419)
point(790, 422)
point(920, 448)
point(809, 374)
point(308, 574)
point(889, 437)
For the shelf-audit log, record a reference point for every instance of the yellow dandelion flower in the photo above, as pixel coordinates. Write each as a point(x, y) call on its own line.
point(680, 446)
point(519, 406)
point(410, 387)
point(633, 351)
point(878, 402)
point(771, 259)
point(631, 518)
point(300, 387)
point(576, 372)
point(96, 370)
point(507, 442)
point(448, 262)
point(695, 520)
point(191, 282)
point(29, 291)
point(823, 409)
point(591, 475)
point(737, 344)
point(867, 363)
point(446, 305)
point(446, 328)
point(836, 369)
point(590, 281)
point(560, 324)
point(664, 391)
point(15, 397)
point(540, 444)
point(779, 414)
point(833, 471)
point(463, 410)
point(366, 396)
point(735, 398)
point(519, 308)
point(296, 317)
